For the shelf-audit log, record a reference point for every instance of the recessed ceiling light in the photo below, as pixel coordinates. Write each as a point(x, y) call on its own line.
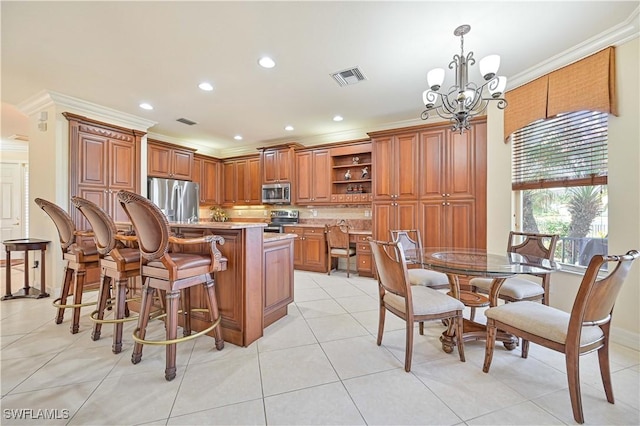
point(207, 87)
point(338, 118)
point(238, 137)
point(266, 62)
point(146, 106)
point(288, 128)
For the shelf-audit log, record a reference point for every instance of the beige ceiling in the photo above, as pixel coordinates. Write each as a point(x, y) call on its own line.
point(119, 54)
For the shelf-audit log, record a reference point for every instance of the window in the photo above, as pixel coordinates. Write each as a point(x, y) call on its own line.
point(560, 179)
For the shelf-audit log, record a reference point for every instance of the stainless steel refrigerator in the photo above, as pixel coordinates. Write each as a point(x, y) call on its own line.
point(178, 199)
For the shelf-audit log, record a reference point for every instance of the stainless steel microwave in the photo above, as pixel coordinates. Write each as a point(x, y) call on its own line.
point(276, 193)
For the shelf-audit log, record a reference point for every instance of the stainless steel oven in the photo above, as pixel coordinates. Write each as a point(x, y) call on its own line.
point(281, 218)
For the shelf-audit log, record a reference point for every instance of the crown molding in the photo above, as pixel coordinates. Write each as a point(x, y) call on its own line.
point(46, 99)
point(614, 36)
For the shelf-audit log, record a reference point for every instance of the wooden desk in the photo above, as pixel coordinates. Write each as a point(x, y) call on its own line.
point(26, 245)
point(479, 263)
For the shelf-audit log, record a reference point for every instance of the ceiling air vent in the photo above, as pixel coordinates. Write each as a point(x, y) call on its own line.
point(349, 76)
point(186, 121)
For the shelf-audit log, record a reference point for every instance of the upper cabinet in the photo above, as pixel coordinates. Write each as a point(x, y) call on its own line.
point(207, 171)
point(396, 161)
point(242, 183)
point(277, 164)
point(313, 177)
point(169, 161)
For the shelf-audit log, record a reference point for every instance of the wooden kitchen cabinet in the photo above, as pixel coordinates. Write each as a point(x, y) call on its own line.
point(169, 161)
point(242, 183)
point(363, 254)
point(103, 159)
point(207, 173)
point(395, 160)
point(453, 191)
point(389, 215)
point(278, 289)
point(313, 177)
point(277, 165)
point(432, 179)
point(309, 249)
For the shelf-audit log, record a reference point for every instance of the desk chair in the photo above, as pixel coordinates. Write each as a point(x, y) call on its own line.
point(171, 272)
point(580, 332)
point(410, 302)
point(338, 246)
point(118, 264)
point(78, 257)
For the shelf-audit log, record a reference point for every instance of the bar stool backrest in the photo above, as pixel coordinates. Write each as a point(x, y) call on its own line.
point(62, 220)
point(150, 224)
point(104, 228)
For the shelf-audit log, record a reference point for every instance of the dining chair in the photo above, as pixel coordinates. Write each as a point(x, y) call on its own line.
point(583, 330)
point(418, 275)
point(78, 256)
point(173, 273)
point(338, 246)
point(517, 289)
point(119, 262)
point(410, 303)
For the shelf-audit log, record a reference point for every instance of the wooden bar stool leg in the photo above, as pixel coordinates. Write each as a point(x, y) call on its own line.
point(212, 303)
point(171, 333)
point(103, 298)
point(66, 284)
point(143, 320)
point(121, 300)
point(81, 274)
point(186, 311)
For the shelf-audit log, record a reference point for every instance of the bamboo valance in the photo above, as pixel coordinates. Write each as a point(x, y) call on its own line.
point(588, 84)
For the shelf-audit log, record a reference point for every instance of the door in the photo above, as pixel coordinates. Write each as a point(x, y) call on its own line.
point(11, 219)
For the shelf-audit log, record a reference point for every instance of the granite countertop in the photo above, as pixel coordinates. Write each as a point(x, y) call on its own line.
point(312, 225)
point(272, 236)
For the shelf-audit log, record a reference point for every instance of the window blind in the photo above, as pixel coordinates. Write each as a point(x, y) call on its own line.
point(567, 150)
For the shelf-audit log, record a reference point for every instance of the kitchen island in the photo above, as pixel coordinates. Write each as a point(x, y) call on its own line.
point(257, 285)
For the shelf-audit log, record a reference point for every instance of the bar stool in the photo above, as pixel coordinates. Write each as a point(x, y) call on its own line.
point(171, 272)
point(79, 258)
point(118, 264)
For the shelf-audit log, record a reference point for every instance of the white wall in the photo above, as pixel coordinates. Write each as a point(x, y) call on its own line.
point(624, 196)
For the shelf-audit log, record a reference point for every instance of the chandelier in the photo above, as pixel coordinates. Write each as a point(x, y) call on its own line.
point(465, 99)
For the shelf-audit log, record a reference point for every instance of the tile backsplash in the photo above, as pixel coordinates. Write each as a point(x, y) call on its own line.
point(357, 217)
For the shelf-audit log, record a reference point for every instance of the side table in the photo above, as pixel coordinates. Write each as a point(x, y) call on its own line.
point(26, 245)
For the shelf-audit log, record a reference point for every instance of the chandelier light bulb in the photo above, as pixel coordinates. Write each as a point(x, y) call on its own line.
point(489, 66)
point(435, 78)
point(497, 86)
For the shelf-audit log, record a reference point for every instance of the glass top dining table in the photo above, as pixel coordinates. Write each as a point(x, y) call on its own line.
point(456, 263)
point(479, 263)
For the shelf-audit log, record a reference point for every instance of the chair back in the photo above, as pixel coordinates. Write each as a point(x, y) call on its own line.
point(62, 220)
point(409, 239)
point(150, 224)
point(337, 236)
point(392, 267)
point(538, 245)
point(104, 229)
point(596, 298)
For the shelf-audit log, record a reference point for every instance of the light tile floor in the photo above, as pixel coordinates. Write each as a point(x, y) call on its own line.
point(318, 365)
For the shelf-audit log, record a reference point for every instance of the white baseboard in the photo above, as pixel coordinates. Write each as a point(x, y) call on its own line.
point(625, 338)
